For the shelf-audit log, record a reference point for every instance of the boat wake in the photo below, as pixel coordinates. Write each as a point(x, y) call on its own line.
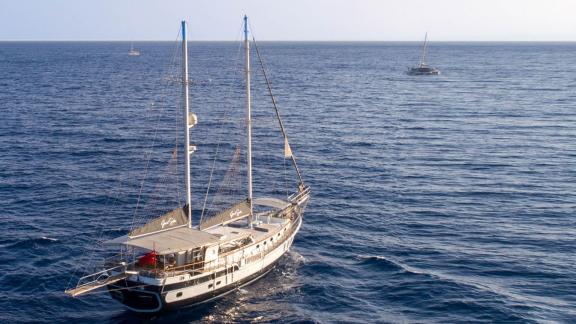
point(259, 297)
point(449, 283)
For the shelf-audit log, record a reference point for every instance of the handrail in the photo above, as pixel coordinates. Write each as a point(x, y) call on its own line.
point(97, 276)
point(212, 266)
point(200, 266)
point(295, 196)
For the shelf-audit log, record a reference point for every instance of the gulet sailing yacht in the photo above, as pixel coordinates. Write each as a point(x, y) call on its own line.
point(170, 262)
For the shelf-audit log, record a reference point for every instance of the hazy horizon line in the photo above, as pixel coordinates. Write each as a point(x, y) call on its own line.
point(279, 41)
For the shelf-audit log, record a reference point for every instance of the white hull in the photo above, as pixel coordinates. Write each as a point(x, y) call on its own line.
point(183, 290)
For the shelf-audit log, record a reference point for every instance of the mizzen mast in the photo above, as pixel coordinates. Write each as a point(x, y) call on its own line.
point(248, 117)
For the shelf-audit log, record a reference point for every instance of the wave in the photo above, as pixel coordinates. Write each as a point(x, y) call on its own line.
point(382, 263)
point(33, 243)
point(451, 282)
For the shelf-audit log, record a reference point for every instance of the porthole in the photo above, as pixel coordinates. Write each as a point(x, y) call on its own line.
point(179, 294)
point(210, 285)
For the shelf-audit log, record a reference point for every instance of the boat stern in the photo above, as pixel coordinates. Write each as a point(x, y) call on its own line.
point(136, 298)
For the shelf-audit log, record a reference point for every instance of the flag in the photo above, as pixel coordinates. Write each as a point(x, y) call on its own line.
point(149, 259)
point(287, 149)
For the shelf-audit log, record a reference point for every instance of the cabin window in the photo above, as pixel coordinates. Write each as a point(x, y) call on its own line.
point(170, 260)
point(210, 285)
point(179, 294)
point(265, 243)
point(271, 239)
point(258, 246)
point(218, 282)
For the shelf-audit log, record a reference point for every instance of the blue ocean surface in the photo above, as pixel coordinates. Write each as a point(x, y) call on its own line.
point(444, 199)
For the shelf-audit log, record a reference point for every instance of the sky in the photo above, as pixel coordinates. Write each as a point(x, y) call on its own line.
point(304, 20)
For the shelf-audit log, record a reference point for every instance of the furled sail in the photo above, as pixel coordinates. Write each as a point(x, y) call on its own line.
point(236, 212)
point(172, 219)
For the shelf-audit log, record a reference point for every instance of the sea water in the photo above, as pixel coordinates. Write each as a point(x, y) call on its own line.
point(442, 199)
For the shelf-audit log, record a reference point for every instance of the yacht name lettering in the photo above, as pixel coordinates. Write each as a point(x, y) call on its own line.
point(168, 222)
point(235, 213)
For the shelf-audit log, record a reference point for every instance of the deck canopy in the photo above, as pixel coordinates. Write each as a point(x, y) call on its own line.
point(170, 241)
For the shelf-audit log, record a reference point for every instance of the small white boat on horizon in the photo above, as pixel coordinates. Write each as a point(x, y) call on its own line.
point(133, 52)
point(423, 68)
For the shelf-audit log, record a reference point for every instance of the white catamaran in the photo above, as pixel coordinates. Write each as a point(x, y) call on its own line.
point(132, 51)
point(170, 262)
point(423, 68)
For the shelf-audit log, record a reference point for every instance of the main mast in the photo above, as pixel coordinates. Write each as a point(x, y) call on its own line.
point(423, 57)
point(248, 117)
point(189, 121)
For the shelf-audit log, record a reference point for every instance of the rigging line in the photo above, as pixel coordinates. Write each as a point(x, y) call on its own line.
point(149, 154)
point(114, 197)
point(269, 86)
point(227, 186)
point(114, 203)
point(170, 66)
point(159, 197)
point(146, 168)
point(211, 172)
point(286, 180)
point(92, 252)
point(221, 134)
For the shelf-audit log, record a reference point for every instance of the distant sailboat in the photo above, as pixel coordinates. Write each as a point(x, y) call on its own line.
point(169, 263)
point(133, 52)
point(423, 68)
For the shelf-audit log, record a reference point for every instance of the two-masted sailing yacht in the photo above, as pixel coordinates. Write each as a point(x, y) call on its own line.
point(171, 262)
point(422, 68)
